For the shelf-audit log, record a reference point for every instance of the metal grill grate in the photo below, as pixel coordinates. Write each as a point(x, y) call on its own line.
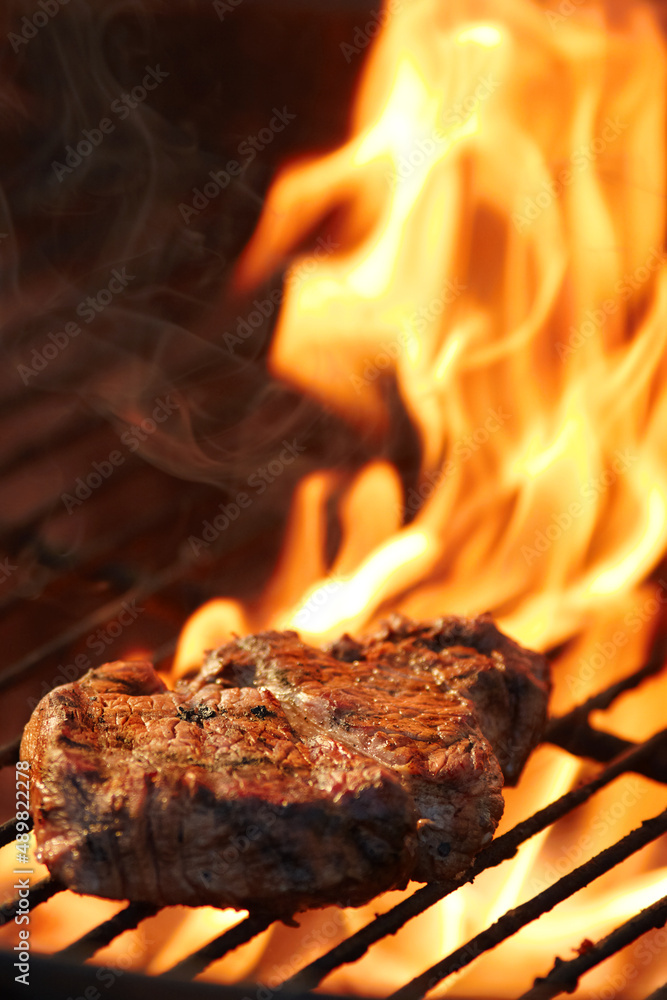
point(153, 577)
point(648, 758)
point(73, 571)
point(136, 558)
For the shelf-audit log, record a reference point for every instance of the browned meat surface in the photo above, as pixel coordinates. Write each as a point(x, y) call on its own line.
point(427, 736)
point(283, 777)
point(166, 797)
point(507, 684)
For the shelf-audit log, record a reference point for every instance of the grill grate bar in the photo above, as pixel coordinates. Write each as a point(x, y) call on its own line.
point(564, 977)
point(514, 920)
point(40, 892)
point(233, 938)
point(573, 733)
point(500, 850)
point(55, 567)
point(604, 699)
point(603, 747)
point(102, 935)
point(155, 583)
point(8, 831)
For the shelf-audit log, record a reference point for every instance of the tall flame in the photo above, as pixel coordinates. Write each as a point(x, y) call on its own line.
point(503, 203)
point(497, 266)
point(500, 208)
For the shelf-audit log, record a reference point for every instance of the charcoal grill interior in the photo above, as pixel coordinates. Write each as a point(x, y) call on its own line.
point(67, 575)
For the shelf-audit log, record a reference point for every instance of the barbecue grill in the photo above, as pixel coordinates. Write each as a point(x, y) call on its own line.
point(63, 972)
point(108, 572)
point(131, 562)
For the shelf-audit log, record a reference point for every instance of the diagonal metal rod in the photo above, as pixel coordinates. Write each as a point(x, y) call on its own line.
point(8, 831)
point(39, 893)
point(501, 849)
point(514, 920)
point(102, 935)
point(604, 699)
point(146, 589)
point(587, 742)
point(240, 934)
point(564, 977)
point(572, 731)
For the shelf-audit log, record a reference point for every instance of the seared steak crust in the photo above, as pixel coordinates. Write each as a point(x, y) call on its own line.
point(160, 796)
point(284, 777)
point(427, 736)
point(507, 684)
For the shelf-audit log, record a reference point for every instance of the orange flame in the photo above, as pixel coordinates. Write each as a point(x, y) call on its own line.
point(501, 263)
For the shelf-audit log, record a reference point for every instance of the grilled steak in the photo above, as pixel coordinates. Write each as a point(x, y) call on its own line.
point(284, 777)
point(428, 737)
point(154, 795)
point(507, 684)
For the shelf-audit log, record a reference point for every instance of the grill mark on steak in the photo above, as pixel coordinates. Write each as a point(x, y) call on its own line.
point(507, 684)
point(429, 737)
point(141, 804)
point(283, 777)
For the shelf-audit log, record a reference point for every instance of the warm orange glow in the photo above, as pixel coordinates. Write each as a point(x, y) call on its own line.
point(211, 625)
point(501, 262)
point(505, 210)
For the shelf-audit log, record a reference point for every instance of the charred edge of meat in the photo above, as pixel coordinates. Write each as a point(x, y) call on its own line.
point(149, 812)
point(196, 715)
point(509, 686)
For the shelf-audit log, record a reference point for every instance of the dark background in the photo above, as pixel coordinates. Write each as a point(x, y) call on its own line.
point(69, 567)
